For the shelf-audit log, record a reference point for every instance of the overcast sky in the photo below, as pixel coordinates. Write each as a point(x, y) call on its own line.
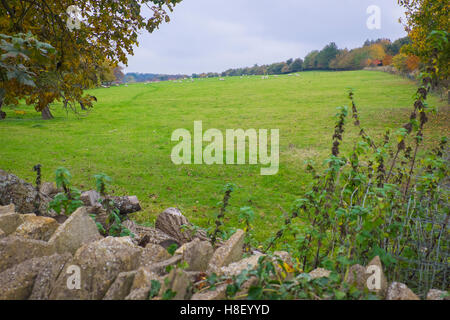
point(215, 35)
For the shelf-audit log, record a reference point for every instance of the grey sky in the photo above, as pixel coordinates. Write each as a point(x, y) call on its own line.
point(215, 35)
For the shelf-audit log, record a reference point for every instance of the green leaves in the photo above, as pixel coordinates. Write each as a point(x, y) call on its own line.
point(101, 182)
point(69, 200)
point(246, 214)
point(62, 178)
point(155, 288)
point(169, 295)
point(18, 54)
point(172, 248)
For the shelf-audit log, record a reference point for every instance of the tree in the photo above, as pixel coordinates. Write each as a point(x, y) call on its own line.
point(130, 79)
point(376, 52)
point(118, 73)
point(351, 60)
point(412, 63)
point(399, 62)
point(422, 18)
point(21, 56)
point(394, 48)
point(296, 65)
point(106, 73)
point(387, 61)
point(326, 55)
point(310, 61)
point(276, 68)
point(285, 69)
point(108, 30)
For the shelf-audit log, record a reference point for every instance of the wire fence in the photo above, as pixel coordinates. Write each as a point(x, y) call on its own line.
point(429, 268)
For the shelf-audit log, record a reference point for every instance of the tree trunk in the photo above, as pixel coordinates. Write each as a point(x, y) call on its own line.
point(46, 114)
point(2, 114)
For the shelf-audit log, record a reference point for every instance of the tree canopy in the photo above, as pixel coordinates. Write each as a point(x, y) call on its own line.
point(107, 32)
point(423, 17)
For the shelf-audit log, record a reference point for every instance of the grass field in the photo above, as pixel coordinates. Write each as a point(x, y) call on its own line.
point(127, 136)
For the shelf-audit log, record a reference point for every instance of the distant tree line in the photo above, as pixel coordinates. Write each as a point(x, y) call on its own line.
point(373, 53)
point(146, 77)
point(380, 52)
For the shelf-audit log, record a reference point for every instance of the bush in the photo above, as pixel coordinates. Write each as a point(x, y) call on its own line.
point(399, 62)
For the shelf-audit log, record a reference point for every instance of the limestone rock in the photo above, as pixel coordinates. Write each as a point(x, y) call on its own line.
point(399, 291)
point(229, 252)
point(47, 276)
point(236, 268)
point(17, 282)
point(49, 189)
point(21, 193)
point(79, 229)
point(195, 276)
point(2, 234)
point(100, 263)
point(196, 254)
point(127, 204)
point(121, 287)
point(178, 281)
point(90, 198)
point(153, 253)
point(7, 209)
point(15, 250)
point(319, 273)
point(284, 256)
point(435, 294)
point(143, 278)
point(139, 294)
point(219, 293)
point(357, 277)
point(37, 227)
point(171, 221)
point(10, 221)
point(161, 267)
point(151, 235)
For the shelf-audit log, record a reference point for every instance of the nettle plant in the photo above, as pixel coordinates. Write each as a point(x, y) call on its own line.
point(385, 198)
point(69, 200)
point(219, 218)
point(113, 224)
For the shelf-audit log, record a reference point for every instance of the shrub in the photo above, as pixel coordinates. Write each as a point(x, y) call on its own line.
point(399, 62)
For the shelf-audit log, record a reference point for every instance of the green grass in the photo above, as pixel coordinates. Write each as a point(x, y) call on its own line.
point(127, 136)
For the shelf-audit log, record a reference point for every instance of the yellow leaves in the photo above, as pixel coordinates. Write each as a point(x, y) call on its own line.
point(288, 268)
point(298, 266)
point(377, 51)
point(285, 269)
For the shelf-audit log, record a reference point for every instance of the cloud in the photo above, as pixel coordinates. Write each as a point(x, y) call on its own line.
point(215, 35)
